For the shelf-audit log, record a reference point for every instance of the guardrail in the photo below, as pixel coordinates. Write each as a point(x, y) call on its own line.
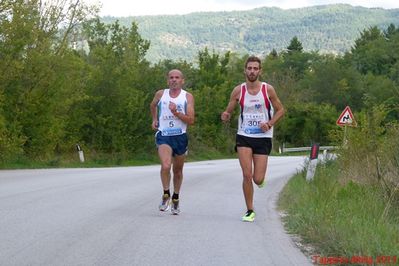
point(326, 148)
point(312, 161)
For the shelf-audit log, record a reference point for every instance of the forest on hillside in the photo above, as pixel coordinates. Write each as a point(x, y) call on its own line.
point(325, 29)
point(54, 94)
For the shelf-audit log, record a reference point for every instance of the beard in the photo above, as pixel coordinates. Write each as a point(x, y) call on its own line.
point(252, 77)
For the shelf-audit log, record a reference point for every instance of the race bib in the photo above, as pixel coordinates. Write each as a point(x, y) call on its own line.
point(252, 123)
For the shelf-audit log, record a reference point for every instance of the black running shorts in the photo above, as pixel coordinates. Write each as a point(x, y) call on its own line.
point(258, 145)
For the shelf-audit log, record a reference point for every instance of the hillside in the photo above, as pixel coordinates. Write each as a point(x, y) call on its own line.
point(327, 29)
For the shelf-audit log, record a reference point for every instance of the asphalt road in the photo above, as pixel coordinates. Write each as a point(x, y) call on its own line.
point(109, 216)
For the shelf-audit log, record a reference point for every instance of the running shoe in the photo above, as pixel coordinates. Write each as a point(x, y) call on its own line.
point(261, 185)
point(164, 205)
point(175, 207)
point(249, 216)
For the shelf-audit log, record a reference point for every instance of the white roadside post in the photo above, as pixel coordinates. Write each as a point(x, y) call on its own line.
point(325, 156)
point(314, 154)
point(80, 152)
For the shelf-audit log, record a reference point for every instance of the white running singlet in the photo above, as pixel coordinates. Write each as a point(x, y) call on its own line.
point(168, 124)
point(254, 110)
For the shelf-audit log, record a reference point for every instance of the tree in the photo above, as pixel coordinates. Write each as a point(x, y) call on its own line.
point(212, 69)
point(331, 82)
point(306, 123)
point(273, 53)
point(33, 71)
point(373, 53)
point(295, 60)
point(390, 31)
point(295, 46)
point(117, 98)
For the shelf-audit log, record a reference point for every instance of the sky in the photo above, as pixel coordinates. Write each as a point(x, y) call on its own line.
point(122, 8)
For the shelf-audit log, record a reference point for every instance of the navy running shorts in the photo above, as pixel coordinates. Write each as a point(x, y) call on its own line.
point(178, 143)
point(258, 145)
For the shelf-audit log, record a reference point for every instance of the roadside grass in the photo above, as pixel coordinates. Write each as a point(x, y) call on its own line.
point(340, 219)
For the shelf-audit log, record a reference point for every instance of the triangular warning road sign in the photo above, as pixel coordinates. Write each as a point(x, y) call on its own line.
point(346, 118)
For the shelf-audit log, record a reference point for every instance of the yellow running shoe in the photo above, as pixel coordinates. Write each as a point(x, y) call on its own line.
point(249, 216)
point(261, 185)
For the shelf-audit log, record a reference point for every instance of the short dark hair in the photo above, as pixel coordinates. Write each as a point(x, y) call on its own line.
point(253, 58)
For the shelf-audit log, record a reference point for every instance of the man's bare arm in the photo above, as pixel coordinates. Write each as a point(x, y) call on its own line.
point(279, 110)
point(189, 117)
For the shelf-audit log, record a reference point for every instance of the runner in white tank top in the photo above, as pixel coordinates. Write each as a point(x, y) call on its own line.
point(255, 109)
point(172, 110)
point(260, 110)
point(169, 124)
